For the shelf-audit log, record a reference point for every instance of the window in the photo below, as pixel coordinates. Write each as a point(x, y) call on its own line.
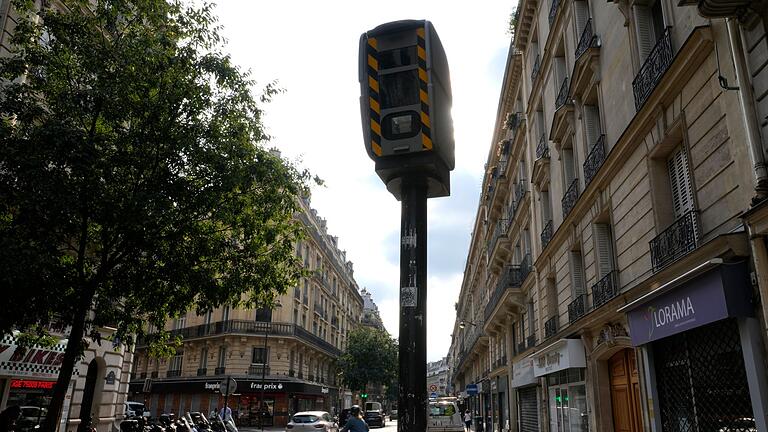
point(225, 313)
point(204, 358)
point(531, 320)
point(680, 182)
point(222, 356)
point(577, 274)
point(264, 315)
point(604, 249)
point(176, 361)
point(592, 129)
point(208, 317)
point(649, 26)
point(180, 323)
point(260, 355)
point(569, 162)
point(581, 16)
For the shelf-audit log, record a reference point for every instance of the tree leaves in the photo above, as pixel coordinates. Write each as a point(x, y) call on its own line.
point(370, 358)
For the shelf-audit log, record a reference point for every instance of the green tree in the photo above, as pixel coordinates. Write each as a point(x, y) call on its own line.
point(370, 358)
point(134, 182)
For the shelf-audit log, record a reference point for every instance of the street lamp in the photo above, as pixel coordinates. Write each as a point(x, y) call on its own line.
point(464, 323)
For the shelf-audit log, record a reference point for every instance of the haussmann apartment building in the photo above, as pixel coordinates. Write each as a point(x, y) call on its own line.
point(615, 276)
point(282, 359)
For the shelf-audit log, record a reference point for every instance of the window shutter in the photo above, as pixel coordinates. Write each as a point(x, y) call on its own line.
point(546, 207)
point(604, 249)
point(680, 183)
point(568, 163)
point(581, 10)
point(644, 30)
point(560, 73)
point(577, 274)
point(540, 127)
point(591, 125)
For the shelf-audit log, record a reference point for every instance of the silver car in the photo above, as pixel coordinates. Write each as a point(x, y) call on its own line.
point(312, 421)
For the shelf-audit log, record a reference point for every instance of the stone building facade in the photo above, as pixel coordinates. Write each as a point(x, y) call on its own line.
point(282, 360)
point(617, 264)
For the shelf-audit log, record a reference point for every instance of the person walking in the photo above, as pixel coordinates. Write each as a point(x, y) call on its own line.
point(355, 423)
point(468, 421)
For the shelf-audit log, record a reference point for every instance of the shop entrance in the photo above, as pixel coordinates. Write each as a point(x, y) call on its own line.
point(701, 380)
point(529, 409)
point(625, 391)
point(568, 401)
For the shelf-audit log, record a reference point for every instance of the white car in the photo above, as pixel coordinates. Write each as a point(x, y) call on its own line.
point(312, 421)
point(136, 409)
point(444, 416)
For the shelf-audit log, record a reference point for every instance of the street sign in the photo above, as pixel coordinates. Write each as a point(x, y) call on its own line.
point(433, 388)
point(471, 389)
point(227, 386)
point(433, 395)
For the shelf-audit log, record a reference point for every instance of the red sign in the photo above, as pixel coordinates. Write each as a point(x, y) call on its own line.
point(32, 384)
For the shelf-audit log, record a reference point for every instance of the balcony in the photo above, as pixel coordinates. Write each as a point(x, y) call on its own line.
point(577, 308)
point(499, 232)
point(258, 369)
point(605, 289)
point(540, 174)
point(570, 197)
point(535, 69)
point(587, 39)
point(562, 95)
point(542, 148)
point(546, 234)
point(202, 371)
point(550, 327)
point(512, 276)
point(594, 161)
point(553, 11)
point(676, 241)
point(520, 190)
point(654, 67)
point(220, 371)
point(173, 373)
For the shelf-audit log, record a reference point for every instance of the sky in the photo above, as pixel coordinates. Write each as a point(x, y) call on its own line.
point(311, 49)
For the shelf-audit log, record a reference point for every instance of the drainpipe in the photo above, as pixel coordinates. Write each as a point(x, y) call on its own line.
point(747, 102)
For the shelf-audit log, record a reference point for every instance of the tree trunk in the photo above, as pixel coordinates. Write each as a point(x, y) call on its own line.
point(71, 356)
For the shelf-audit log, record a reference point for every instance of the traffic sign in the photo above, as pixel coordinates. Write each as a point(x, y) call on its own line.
point(227, 386)
point(433, 395)
point(471, 389)
point(432, 388)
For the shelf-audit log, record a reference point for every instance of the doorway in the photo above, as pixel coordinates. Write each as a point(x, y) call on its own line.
point(625, 391)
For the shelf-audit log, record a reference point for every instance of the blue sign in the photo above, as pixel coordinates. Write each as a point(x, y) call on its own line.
point(472, 389)
point(433, 395)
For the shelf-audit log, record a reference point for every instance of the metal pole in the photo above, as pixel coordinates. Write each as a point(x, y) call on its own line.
point(263, 375)
point(226, 398)
point(412, 397)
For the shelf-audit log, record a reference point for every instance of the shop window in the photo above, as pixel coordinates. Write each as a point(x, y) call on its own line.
point(260, 355)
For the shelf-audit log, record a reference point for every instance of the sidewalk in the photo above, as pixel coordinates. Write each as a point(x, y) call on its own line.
point(258, 429)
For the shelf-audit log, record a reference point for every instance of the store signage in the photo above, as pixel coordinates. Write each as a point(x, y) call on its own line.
point(212, 385)
point(266, 386)
point(324, 390)
point(696, 303)
point(522, 373)
point(35, 361)
point(32, 384)
point(243, 386)
point(564, 354)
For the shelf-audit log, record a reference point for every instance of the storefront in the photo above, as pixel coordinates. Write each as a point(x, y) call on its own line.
point(704, 351)
point(563, 365)
point(275, 403)
point(499, 403)
point(524, 382)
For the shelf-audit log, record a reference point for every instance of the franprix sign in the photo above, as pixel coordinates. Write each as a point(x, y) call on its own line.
point(243, 386)
point(715, 295)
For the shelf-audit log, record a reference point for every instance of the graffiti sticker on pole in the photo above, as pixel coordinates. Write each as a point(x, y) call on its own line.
point(408, 296)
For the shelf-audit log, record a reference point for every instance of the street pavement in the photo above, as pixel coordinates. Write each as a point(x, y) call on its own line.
point(391, 427)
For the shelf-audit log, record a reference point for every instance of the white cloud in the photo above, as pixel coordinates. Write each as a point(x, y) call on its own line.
point(312, 49)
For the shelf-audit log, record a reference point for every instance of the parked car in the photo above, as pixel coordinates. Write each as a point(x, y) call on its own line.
point(135, 409)
point(444, 416)
point(31, 416)
point(393, 414)
point(312, 421)
point(374, 414)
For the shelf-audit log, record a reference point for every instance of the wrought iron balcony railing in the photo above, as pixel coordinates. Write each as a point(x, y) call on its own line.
point(512, 276)
point(570, 197)
point(676, 241)
point(258, 369)
point(520, 190)
point(536, 67)
point(297, 293)
point(499, 231)
point(562, 95)
point(202, 371)
point(220, 371)
point(546, 234)
point(587, 40)
point(553, 11)
point(542, 148)
point(173, 373)
point(550, 327)
point(654, 67)
point(595, 160)
point(577, 308)
point(605, 289)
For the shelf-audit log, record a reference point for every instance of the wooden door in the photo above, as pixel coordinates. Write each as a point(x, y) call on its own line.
point(625, 391)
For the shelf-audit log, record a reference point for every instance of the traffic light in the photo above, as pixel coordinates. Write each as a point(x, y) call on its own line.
point(405, 104)
point(364, 395)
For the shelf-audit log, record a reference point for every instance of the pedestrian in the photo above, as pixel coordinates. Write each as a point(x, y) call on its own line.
point(9, 417)
point(468, 421)
point(226, 413)
point(355, 423)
